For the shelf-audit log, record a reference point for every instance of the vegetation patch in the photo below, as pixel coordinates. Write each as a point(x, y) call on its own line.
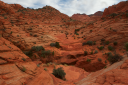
point(23, 69)
point(115, 43)
point(46, 53)
point(126, 46)
point(114, 58)
point(101, 47)
point(89, 43)
point(37, 48)
point(59, 73)
point(110, 48)
point(99, 59)
point(85, 53)
point(96, 51)
point(56, 44)
point(88, 60)
point(28, 53)
point(107, 42)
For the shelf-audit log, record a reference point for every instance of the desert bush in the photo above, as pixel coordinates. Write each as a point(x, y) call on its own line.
point(35, 35)
point(126, 46)
point(59, 73)
point(37, 48)
point(91, 52)
point(114, 58)
point(23, 59)
point(84, 43)
point(57, 45)
point(52, 44)
point(28, 53)
point(77, 30)
point(88, 60)
point(94, 43)
point(101, 47)
point(113, 15)
point(102, 40)
point(115, 43)
point(96, 51)
point(23, 69)
point(126, 14)
point(107, 42)
point(109, 54)
point(46, 53)
point(89, 43)
point(110, 48)
point(85, 53)
point(76, 33)
point(99, 59)
point(45, 69)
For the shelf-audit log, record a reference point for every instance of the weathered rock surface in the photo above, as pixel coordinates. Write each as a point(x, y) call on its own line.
point(79, 54)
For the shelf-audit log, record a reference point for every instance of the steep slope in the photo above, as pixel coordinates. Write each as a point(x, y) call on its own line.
point(87, 18)
point(120, 7)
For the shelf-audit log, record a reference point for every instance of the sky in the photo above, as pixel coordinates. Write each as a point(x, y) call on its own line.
point(68, 7)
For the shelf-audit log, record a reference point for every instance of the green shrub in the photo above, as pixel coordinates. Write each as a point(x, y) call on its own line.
point(89, 43)
point(115, 43)
point(96, 51)
point(85, 53)
point(38, 65)
point(126, 46)
point(45, 69)
point(102, 40)
point(59, 73)
point(110, 48)
point(126, 14)
point(107, 42)
point(57, 45)
point(23, 59)
point(88, 60)
point(77, 30)
point(84, 43)
point(91, 52)
point(29, 28)
point(113, 15)
point(105, 61)
point(37, 48)
point(23, 69)
point(94, 43)
point(52, 44)
point(76, 33)
point(99, 59)
point(31, 34)
point(35, 35)
point(46, 53)
point(109, 54)
point(114, 58)
point(28, 53)
point(101, 47)
point(105, 67)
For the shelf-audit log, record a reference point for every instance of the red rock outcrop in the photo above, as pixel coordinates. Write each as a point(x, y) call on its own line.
point(120, 7)
point(80, 17)
point(29, 49)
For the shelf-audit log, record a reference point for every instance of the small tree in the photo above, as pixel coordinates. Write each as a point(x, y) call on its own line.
point(59, 73)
